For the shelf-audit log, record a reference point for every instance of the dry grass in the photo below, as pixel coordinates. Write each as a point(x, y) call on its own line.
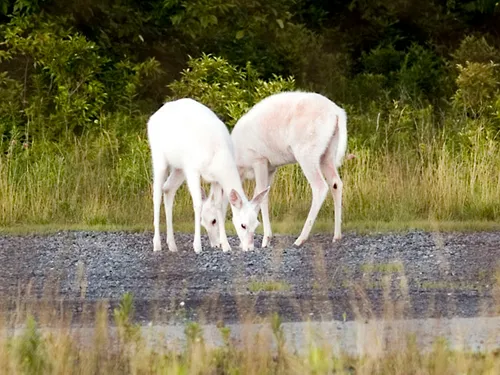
point(122, 349)
point(103, 182)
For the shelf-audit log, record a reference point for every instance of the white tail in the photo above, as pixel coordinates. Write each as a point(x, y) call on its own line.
point(189, 138)
point(293, 127)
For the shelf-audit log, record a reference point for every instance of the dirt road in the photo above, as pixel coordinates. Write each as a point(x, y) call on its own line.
point(428, 274)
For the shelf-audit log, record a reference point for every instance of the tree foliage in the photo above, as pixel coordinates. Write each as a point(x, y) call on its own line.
point(67, 66)
point(229, 91)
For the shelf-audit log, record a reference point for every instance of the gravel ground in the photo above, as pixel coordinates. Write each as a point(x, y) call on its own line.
point(429, 274)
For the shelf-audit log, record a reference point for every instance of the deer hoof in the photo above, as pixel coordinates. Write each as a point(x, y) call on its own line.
point(156, 244)
point(197, 248)
point(299, 242)
point(266, 241)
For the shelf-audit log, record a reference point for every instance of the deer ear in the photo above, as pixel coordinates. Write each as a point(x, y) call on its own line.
point(257, 200)
point(203, 194)
point(235, 199)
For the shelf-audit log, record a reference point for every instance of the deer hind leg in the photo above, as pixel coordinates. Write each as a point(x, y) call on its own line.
point(221, 216)
point(312, 171)
point(336, 186)
point(159, 175)
point(170, 187)
point(265, 209)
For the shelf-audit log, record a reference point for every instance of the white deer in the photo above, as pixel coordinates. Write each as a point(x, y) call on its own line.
point(287, 128)
point(187, 137)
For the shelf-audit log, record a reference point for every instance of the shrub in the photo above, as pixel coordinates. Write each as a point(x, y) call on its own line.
point(475, 49)
point(478, 87)
point(417, 76)
point(366, 88)
point(383, 60)
point(10, 107)
point(422, 75)
point(226, 89)
point(67, 80)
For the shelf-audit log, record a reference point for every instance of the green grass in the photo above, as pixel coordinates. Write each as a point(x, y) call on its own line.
point(279, 228)
point(394, 267)
point(268, 286)
point(104, 181)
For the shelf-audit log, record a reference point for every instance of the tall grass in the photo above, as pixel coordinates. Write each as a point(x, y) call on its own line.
point(409, 169)
point(123, 349)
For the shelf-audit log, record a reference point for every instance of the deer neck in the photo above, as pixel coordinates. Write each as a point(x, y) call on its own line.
point(231, 181)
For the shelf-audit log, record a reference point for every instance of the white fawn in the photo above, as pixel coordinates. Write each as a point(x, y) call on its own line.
point(287, 128)
point(187, 137)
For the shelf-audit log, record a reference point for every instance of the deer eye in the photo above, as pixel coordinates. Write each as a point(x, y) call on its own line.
point(243, 226)
point(214, 221)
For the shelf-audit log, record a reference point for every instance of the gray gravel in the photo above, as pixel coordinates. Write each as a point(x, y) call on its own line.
point(429, 274)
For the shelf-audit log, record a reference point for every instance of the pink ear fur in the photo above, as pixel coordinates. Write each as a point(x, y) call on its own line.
point(257, 200)
point(235, 199)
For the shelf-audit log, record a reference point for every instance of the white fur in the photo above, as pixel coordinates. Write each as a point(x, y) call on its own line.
point(189, 138)
point(292, 127)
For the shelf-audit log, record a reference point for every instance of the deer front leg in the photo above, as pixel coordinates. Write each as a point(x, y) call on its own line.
point(265, 208)
point(221, 216)
point(263, 179)
point(194, 186)
point(170, 187)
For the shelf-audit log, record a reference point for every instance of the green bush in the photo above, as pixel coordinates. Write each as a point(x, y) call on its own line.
point(382, 60)
point(478, 88)
point(475, 49)
point(67, 81)
point(416, 76)
point(10, 106)
point(226, 89)
point(422, 76)
point(367, 88)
